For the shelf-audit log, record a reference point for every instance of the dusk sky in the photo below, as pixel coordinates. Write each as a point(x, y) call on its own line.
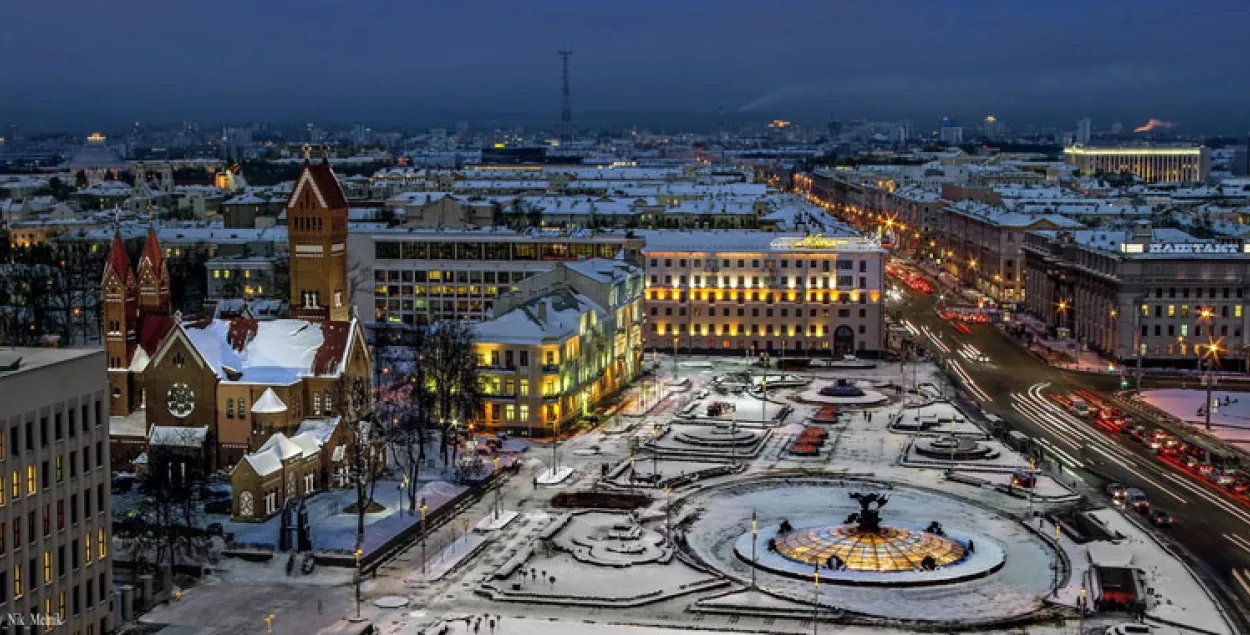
point(82, 63)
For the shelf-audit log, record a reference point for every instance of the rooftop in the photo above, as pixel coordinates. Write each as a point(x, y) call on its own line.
point(36, 358)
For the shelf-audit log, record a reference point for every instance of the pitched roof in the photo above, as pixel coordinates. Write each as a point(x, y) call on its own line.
point(178, 436)
point(152, 252)
point(271, 351)
point(326, 188)
point(118, 261)
point(264, 463)
point(154, 330)
point(282, 446)
point(269, 403)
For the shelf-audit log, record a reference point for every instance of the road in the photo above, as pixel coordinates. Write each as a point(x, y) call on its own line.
point(1211, 524)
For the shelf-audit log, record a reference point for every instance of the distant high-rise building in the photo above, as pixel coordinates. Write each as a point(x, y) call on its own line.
point(950, 133)
point(1084, 131)
point(992, 128)
point(1117, 128)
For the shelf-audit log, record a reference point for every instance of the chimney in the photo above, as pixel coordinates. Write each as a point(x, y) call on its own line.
point(542, 310)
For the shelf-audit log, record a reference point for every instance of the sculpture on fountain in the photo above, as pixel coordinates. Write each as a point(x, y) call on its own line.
point(869, 515)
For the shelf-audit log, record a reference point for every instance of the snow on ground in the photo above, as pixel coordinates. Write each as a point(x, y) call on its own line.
point(1004, 459)
point(740, 407)
point(869, 398)
point(438, 566)
point(1229, 421)
point(335, 529)
point(1015, 589)
point(940, 417)
point(1047, 487)
point(1179, 598)
point(547, 477)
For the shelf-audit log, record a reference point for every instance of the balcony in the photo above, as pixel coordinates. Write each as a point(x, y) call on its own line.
point(551, 369)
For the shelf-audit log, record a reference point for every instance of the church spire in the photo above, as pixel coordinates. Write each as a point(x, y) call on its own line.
point(153, 277)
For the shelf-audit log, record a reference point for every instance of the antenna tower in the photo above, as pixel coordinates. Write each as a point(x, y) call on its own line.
point(566, 113)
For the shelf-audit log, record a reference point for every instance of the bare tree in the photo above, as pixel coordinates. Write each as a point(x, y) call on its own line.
point(165, 524)
point(451, 364)
point(366, 452)
point(406, 403)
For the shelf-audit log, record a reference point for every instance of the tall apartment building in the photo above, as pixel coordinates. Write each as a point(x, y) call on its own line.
point(762, 291)
point(420, 277)
point(1153, 165)
point(55, 509)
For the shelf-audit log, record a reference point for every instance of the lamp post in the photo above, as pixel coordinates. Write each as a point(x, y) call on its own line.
point(423, 508)
point(655, 456)
point(358, 553)
point(269, 619)
point(497, 487)
point(754, 538)
point(815, 599)
point(764, 398)
point(668, 516)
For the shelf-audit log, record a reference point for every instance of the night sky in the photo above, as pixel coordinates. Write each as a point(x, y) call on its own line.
point(82, 63)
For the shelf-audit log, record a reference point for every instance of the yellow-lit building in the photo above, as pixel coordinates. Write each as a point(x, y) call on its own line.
point(559, 344)
point(1153, 165)
point(711, 291)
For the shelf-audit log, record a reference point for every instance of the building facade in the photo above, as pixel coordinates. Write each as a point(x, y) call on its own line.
point(561, 342)
point(423, 277)
point(1153, 165)
point(758, 291)
point(55, 505)
point(1161, 295)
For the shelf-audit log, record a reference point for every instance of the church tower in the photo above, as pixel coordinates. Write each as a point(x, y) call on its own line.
point(153, 278)
point(121, 318)
point(316, 219)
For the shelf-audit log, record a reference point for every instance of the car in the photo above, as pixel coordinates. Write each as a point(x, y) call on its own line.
point(1160, 518)
point(1136, 499)
point(215, 529)
point(1139, 434)
point(1221, 477)
point(1190, 462)
point(1115, 490)
point(1128, 629)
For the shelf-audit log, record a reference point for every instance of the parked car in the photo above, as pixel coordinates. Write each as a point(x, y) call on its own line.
point(1129, 629)
point(1136, 499)
point(122, 482)
point(1160, 518)
point(1116, 490)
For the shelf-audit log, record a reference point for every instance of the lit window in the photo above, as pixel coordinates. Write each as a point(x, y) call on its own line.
point(47, 567)
point(103, 544)
point(1171, 310)
point(17, 580)
point(1237, 311)
point(88, 554)
point(32, 485)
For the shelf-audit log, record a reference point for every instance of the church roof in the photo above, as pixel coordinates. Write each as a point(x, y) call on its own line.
point(283, 447)
point(178, 436)
point(271, 351)
point(118, 261)
point(152, 251)
point(326, 188)
point(269, 403)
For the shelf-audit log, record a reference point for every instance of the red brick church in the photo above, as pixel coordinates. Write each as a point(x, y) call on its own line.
point(241, 386)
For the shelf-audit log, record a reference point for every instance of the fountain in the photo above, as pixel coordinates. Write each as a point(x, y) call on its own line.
point(952, 448)
point(864, 544)
point(842, 389)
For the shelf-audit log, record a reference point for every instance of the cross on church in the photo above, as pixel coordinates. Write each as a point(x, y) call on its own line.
point(307, 152)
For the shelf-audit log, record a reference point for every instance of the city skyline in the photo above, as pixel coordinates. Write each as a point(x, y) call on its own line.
point(435, 65)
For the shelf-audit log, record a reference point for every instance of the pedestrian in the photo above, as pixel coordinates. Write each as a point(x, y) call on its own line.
point(492, 625)
point(477, 626)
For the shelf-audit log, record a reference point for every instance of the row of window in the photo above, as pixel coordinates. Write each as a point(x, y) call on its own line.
point(438, 291)
point(1211, 293)
point(389, 250)
point(507, 387)
point(58, 613)
point(813, 330)
point(1185, 311)
point(755, 312)
point(420, 276)
point(767, 298)
point(843, 264)
point(45, 474)
point(842, 282)
point(46, 434)
point(32, 525)
point(1184, 330)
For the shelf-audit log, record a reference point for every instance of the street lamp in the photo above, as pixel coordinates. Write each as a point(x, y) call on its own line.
point(269, 620)
point(497, 486)
point(423, 508)
point(815, 599)
point(357, 553)
point(1212, 357)
point(754, 538)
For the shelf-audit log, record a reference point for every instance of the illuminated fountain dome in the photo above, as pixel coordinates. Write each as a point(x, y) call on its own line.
point(886, 550)
point(864, 552)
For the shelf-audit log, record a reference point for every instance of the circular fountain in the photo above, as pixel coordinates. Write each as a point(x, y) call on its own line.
point(951, 448)
point(842, 388)
point(719, 436)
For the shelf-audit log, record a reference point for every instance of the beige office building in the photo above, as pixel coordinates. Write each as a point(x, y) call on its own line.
point(55, 506)
point(721, 291)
